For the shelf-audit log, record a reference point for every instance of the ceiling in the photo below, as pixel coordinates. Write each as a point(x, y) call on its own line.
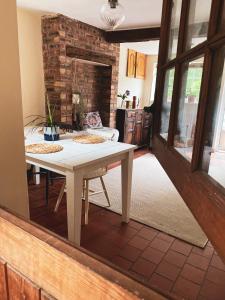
point(149, 48)
point(139, 14)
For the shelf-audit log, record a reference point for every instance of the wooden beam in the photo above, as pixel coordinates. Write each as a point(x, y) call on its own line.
point(133, 35)
point(63, 271)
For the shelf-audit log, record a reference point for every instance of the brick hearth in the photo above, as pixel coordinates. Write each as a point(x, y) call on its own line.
point(65, 39)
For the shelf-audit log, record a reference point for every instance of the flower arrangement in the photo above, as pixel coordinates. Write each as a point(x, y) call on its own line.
point(123, 97)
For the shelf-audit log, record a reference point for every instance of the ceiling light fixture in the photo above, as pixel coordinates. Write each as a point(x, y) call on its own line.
point(112, 14)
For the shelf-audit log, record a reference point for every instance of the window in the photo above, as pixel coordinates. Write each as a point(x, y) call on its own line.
point(188, 107)
point(174, 29)
point(214, 144)
point(198, 22)
point(166, 105)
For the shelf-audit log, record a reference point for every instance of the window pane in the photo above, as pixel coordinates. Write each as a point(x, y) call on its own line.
point(174, 29)
point(166, 105)
point(198, 22)
point(214, 151)
point(188, 107)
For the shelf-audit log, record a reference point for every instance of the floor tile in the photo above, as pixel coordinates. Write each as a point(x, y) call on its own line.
point(153, 255)
point(159, 244)
point(186, 289)
point(148, 233)
point(212, 291)
point(139, 242)
point(215, 275)
point(198, 261)
point(175, 258)
point(167, 270)
point(192, 273)
point(207, 251)
point(217, 263)
point(181, 247)
point(135, 225)
point(121, 262)
point(129, 252)
point(144, 267)
point(165, 237)
point(161, 282)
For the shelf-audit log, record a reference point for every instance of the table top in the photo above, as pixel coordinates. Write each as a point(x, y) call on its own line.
point(74, 155)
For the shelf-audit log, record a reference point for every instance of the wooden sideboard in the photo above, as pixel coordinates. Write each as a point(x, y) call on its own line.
point(134, 126)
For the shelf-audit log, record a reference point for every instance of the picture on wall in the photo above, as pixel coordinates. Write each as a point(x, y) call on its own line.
point(131, 63)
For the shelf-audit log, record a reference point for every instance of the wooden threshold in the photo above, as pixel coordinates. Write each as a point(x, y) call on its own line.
point(58, 268)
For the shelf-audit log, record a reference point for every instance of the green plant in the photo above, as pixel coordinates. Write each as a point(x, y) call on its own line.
point(44, 121)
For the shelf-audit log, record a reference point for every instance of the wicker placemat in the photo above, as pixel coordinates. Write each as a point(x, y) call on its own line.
point(89, 139)
point(43, 148)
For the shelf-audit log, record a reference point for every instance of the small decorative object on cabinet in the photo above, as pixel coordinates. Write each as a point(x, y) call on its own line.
point(123, 97)
point(134, 126)
point(131, 63)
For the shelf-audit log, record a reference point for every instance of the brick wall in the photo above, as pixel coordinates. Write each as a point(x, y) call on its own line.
point(63, 40)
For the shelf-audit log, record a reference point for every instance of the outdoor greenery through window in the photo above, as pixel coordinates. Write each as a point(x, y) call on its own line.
point(166, 105)
point(188, 107)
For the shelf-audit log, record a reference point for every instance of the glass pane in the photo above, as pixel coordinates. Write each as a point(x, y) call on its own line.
point(222, 23)
point(174, 29)
point(166, 105)
point(214, 151)
point(188, 107)
point(198, 22)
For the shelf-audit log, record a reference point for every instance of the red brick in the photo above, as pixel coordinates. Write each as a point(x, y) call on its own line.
point(148, 233)
point(144, 267)
point(198, 261)
point(175, 258)
point(159, 244)
point(153, 255)
point(186, 289)
point(167, 270)
point(192, 274)
point(138, 242)
point(181, 247)
point(161, 282)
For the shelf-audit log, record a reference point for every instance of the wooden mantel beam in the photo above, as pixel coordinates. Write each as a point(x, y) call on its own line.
point(133, 35)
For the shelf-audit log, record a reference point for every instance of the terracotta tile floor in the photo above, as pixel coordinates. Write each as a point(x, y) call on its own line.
point(151, 256)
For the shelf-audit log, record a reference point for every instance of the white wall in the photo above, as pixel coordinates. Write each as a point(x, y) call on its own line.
point(13, 184)
point(31, 62)
point(134, 85)
point(138, 87)
point(147, 89)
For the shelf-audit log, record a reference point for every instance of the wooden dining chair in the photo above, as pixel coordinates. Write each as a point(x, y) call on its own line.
point(87, 192)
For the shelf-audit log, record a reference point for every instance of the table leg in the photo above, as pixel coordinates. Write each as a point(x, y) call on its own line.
point(37, 176)
point(127, 167)
point(74, 185)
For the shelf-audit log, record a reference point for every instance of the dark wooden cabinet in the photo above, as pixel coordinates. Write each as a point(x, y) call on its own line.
point(134, 126)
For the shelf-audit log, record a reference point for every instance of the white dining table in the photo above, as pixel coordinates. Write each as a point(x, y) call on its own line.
point(76, 160)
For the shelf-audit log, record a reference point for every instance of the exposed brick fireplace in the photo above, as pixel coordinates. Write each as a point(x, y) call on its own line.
point(77, 58)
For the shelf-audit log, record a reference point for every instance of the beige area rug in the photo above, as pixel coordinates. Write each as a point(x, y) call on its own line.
point(155, 201)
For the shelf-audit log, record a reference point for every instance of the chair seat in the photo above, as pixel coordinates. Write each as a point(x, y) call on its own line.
point(96, 173)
